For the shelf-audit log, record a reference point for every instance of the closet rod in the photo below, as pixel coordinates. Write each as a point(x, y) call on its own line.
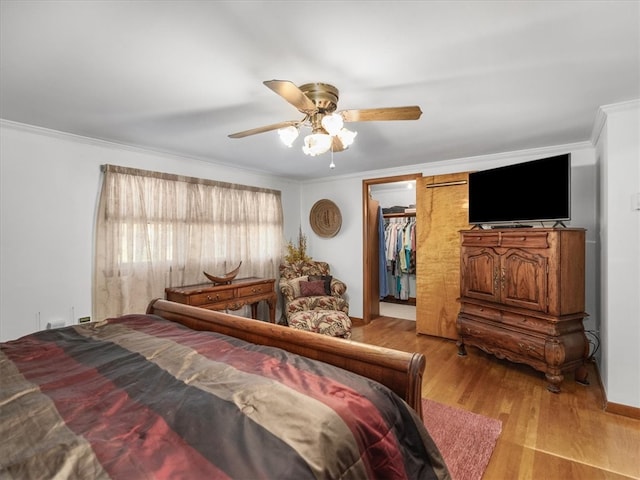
point(447, 184)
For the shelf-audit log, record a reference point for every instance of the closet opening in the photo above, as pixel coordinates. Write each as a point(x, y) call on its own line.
point(389, 247)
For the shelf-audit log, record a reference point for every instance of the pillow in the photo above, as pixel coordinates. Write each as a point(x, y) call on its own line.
point(326, 279)
point(295, 284)
point(312, 289)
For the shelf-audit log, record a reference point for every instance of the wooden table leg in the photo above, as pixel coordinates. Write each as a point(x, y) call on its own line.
point(272, 309)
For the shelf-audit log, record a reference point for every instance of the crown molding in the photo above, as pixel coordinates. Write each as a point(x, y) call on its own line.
point(604, 111)
point(25, 127)
point(72, 137)
point(431, 168)
point(460, 164)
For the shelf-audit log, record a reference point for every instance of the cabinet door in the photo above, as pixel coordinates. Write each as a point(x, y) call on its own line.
point(480, 271)
point(523, 280)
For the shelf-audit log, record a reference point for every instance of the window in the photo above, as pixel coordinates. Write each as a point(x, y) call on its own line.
point(157, 230)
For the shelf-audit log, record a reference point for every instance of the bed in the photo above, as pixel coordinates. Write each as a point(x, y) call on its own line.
point(183, 392)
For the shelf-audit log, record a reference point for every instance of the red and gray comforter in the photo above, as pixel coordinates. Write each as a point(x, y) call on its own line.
point(139, 397)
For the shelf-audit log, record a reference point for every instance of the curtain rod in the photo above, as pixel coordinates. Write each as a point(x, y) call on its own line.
point(182, 178)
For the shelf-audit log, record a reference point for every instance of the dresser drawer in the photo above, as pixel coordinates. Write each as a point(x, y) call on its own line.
point(530, 324)
point(528, 239)
point(483, 239)
point(504, 342)
point(481, 311)
point(255, 289)
point(210, 297)
point(228, 296)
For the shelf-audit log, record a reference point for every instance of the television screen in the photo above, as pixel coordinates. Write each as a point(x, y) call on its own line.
point(539, 190)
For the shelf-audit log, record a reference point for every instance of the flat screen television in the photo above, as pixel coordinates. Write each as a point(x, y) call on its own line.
point(534, 191)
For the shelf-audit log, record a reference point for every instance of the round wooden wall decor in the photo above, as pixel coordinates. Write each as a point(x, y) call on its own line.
point(325, 218)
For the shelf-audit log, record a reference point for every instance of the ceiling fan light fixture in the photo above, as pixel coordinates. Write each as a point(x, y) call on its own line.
point(288, 135)
point(316, 144)
point(346, 137)
point(318, 102)
point(332, 123)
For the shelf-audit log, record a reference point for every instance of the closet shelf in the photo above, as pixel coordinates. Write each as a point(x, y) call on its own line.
point(398, 215)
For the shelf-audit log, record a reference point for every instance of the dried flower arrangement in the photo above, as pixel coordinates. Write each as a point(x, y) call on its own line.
point(297, 253)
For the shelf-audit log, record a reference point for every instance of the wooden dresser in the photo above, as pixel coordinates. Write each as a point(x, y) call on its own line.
point(231, 296)
point(522, 298)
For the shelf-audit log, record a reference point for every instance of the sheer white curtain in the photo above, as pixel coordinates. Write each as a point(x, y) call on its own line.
point(157, 230)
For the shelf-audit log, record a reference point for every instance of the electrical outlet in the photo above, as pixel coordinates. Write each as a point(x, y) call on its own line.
point(84, 319)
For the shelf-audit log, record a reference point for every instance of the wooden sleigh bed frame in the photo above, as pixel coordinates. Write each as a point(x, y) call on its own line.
point(185, 392)
point(400, 371)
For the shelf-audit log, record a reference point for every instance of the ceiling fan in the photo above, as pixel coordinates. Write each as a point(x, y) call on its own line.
point(318, 103)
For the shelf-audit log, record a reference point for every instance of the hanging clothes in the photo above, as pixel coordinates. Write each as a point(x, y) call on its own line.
point(382, 256)
point(400, 245)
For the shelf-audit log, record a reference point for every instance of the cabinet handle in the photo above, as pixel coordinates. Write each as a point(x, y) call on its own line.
point(212, 299)
point(447, 184)
point(502, 278)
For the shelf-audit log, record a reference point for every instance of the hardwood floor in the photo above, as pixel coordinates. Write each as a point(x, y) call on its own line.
point(544, 435)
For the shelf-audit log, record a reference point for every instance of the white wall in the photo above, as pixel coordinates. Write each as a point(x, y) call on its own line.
point(49, 191)
point(618, 148)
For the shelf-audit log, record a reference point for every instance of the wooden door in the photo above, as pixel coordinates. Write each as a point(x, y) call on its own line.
point(371, 283)
point(442, 211)
point(480, 274)
point(523, 279)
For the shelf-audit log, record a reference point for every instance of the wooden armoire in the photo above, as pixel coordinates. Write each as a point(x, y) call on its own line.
point(442, 212)
point(522, 298)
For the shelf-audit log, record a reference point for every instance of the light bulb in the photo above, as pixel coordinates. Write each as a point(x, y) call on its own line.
point(346, 137)
point(288, 135)
point(316, 144)
point(332, 123)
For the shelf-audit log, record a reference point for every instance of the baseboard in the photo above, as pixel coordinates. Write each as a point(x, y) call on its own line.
point(615, 408)
point(624, 410)
point(356, 321)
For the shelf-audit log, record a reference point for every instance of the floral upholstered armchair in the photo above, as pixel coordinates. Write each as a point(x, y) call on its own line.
point(313, 299)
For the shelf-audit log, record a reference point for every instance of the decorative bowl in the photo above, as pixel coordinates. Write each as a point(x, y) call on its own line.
point(225, 278)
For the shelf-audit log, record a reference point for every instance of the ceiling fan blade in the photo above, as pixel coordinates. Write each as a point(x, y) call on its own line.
point(377, 114)
point(292, 94)
point(266, 128)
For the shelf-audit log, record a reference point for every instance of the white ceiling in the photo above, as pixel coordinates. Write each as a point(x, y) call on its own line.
point(179, 76)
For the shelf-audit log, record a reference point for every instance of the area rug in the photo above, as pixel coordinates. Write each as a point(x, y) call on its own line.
point(465, 439)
